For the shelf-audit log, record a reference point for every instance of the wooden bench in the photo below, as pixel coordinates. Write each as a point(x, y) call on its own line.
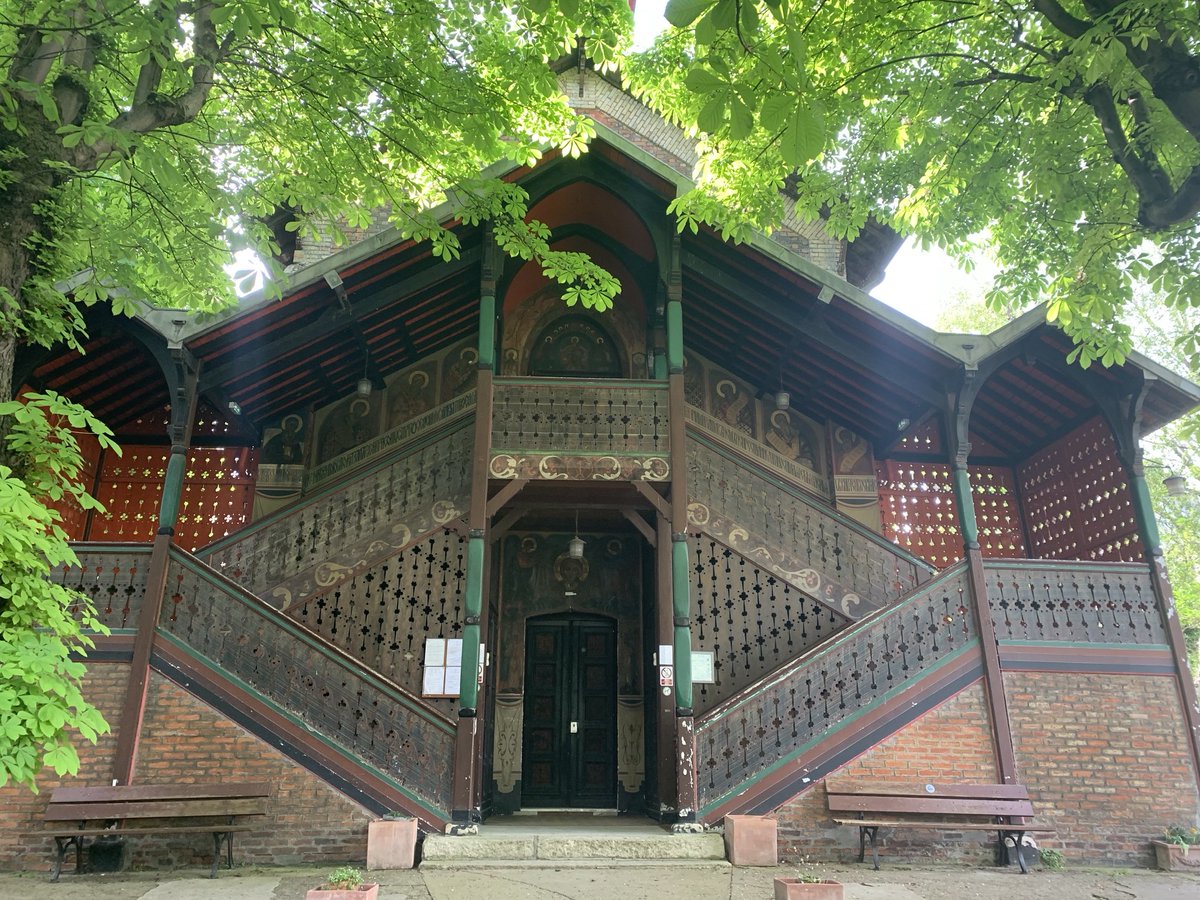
point(1002, 808)
point(98, 811)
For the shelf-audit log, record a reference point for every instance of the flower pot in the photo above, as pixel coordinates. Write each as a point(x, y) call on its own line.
point(795, 889)
point(325, 892)
point(751, 841)
point(391, 844)
point(1173, 858)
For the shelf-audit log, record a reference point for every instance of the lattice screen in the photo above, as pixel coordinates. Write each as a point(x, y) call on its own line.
point(383, 615)
point(218, 492)
point(919, 514)
point(1077, 500)
point(752, 621)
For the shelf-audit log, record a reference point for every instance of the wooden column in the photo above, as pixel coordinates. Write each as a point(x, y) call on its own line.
point(958, 415)
point(464, 811)
point(664, 620)
point(184, 396)
point(1126, 423)
point(687, 787)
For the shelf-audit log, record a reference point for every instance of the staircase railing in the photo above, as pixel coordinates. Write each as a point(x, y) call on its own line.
point(331, 693)
point(343, 528)
point(1058, 600)
point(811, 546)
point(744, 738)
point(751, 620)
point(113, 576)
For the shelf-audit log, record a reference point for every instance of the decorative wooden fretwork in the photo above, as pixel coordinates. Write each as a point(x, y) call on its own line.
point(920, 514)
point(1076, 497)
point(1101, 603)
point(741, 739)
point(346, 528)
point(793, 536)
point(371, 718)
point(752, 621)
point(113, 578)
point(216, 499)
point(383, 615)
point(574, 416)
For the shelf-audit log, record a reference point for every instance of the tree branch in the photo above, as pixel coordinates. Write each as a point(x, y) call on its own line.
point(1061, 19)
point(1150, 182)
point(1180, 206)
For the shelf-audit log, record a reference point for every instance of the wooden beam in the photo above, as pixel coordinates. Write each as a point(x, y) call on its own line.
point(506, 493)
point(653, 497)
point(640, 524)
point(502, 527)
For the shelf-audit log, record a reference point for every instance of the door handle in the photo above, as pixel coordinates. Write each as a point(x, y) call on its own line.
point(574, 728)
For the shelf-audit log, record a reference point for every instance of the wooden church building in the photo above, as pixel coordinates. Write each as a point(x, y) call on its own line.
point(418, 537)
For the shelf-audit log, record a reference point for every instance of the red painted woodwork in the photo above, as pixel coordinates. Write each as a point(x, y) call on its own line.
point(1077, 500)
point(917, 506)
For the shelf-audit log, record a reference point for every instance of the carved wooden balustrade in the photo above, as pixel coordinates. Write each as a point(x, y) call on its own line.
point(747, 735)
point(382, 616)
point(794, 536)
point(752, 621)
point(341, 530)
point(113, 576)
point(373, 719)
point(581, 417)
point(1054, 600)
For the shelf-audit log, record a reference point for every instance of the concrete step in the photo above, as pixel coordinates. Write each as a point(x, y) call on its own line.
point(466, 851)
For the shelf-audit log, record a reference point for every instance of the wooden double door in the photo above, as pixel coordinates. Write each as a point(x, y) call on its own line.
point(569, 753)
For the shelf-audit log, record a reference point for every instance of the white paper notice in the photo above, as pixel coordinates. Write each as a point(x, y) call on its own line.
point(435, 680)
point(435, 652)
point(454, 652)
point(666, 655)
point(453, 681)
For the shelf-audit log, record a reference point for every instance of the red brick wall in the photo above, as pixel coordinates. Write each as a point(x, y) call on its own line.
point(21, 811)
point(184, 740)
point(1106, 760)
point(951, 743)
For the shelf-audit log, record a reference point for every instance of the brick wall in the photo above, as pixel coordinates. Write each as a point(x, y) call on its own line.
point(21, 811)
point(1106, 760)
point(186, 741)
point(950, 743)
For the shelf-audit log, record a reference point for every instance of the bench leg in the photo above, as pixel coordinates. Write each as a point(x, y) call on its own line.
point(60, 851)
point(874, 832)
point(217, 836)
point(1018, 838)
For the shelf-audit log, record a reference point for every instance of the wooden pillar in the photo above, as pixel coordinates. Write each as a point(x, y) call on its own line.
point(464, 811)
point(184, 396)
point(958, 415)
point(686, 782)
point(1126, 423)
point(664, 620)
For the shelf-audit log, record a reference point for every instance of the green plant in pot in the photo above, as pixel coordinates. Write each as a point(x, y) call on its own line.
point(344, 883)
point(1175, 851)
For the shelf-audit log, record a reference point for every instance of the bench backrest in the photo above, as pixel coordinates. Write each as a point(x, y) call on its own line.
point(157, 801)
point(929, 798)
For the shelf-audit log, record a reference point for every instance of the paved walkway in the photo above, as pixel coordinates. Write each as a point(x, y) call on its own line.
point(590, 882)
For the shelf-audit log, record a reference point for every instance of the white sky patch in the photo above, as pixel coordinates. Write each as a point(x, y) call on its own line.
point(648, 22)
point(922, 283)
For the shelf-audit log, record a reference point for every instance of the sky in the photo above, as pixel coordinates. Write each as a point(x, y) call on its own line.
point(918, 283)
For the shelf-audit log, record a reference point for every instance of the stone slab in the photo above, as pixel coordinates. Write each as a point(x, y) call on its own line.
point(443, 846)
point(669, 846)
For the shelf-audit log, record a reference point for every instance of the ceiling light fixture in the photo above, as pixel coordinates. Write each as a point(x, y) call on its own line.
point(576, 544)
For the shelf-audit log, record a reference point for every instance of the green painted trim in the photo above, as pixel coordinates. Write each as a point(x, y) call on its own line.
point(681, 607)
point(300, 723)
point(675, 336)
point(1083, 565)
point(487, 332)
point(871, 621)
point(965, 500)
point(1144, 511)
point(742, 786)
point(713, 443)
point(473, 605)
point(660, 365)
point(418, 442)
point(168, 508)
point(623, 383)
point(127, 547)
point(301, 634)
point(1081, 645)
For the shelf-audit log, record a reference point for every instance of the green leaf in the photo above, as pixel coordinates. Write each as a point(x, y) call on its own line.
point(682, 13)
point(712, 116)
point(741, 120)
point(775, 110)
point(803, 138)
point(703, 81)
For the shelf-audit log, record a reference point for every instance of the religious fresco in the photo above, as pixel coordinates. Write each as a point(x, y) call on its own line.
point(286, 444)
point(346, 424)
point(856, 489)
point(536, 335)
point(285, 449)
point(411, 392)
point(459, 367)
